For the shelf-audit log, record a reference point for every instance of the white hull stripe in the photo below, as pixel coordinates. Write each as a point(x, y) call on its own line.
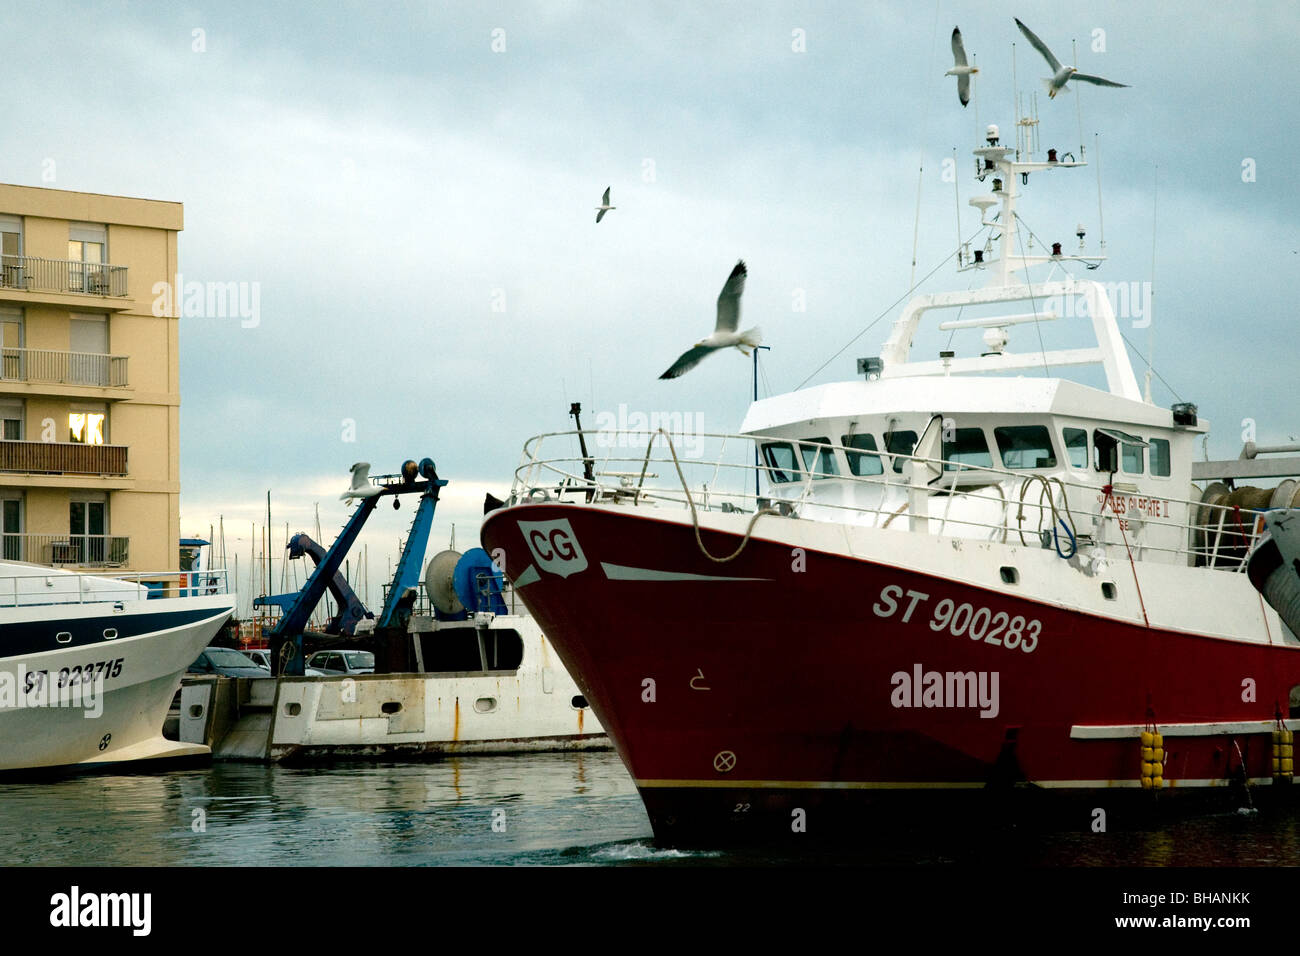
point(1116, 731)
point(618, 572)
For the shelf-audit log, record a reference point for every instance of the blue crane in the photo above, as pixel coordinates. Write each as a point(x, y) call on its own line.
point(298, 607)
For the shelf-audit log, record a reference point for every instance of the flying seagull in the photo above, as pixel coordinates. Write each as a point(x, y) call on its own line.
point(604, 207)
point(725, 334)
point(1061, 74)
point(960, 69)
point(361, 486)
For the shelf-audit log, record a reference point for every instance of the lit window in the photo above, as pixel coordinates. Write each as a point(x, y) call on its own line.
point(87, 428)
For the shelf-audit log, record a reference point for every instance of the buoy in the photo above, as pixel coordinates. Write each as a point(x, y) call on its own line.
point(1283, 755)
point(1153, 760)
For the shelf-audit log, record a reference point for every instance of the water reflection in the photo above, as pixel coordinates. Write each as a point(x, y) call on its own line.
point(578, 808)
point(359, 813)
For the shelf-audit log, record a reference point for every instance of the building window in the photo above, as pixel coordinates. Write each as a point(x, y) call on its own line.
point(1076, 447)
point(11, 420)
point(11, 343)
point(87, 248)
point(1159, 457)
point(860, 464)
point(11, 249)
point(87, 527)
point(1025, 446)
point(88, 343)
point(11, 524)
point(87, 425)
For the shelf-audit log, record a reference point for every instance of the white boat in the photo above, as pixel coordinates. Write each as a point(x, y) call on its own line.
point(89, 664)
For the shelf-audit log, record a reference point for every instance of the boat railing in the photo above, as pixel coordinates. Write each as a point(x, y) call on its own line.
point(1036, 508)
point(34, 586)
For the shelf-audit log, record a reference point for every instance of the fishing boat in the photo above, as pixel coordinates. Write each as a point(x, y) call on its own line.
point(468, 671)
point(963, 580)
point(89, 664)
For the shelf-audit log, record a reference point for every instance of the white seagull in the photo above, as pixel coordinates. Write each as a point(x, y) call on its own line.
point(361, 486)
point(724, 334)
point(960, 69)
point(604, 207)
point(1061, 74)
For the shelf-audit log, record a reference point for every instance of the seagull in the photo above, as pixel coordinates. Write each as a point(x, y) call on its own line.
point(361, 486)
point(1061, 74)
point(604, 207)
point(725, 334)
point(960, 69)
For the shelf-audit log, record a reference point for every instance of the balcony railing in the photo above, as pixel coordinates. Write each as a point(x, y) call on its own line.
point(33, 274)
point(62, 458)
point(87, 550)
point(63, 368)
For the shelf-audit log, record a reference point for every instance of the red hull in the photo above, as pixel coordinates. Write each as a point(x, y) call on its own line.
point(781, 692)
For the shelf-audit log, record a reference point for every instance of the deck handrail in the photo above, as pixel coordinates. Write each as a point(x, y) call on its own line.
point(1217, 535)
point(65, 587)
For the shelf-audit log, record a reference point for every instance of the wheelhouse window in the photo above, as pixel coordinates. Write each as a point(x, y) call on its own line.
point(900, 443)
point(1131, 456)
point(968, 446)
point(1026, 446)
point(1076, 447)
point(1159, 457)
point(860, 464)
point(781, 463)
point(820, 462)
point(1114, 450)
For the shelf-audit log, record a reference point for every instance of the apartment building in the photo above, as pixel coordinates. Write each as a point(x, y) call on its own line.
point(89, 394)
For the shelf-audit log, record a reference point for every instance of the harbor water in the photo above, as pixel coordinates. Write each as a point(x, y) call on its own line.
point(559, 809)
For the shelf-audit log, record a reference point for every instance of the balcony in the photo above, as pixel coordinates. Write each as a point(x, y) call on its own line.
point(62, 458)
point(86, 550)
point(33, 274)
point(50, 367)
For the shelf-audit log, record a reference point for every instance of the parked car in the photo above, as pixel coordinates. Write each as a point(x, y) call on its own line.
point(260, 656)
point(342, 662)
point(225, 661)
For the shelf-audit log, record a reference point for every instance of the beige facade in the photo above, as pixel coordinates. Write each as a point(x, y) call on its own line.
point(89, 393)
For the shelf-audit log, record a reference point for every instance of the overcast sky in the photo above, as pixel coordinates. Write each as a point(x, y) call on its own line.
point(386, 177)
